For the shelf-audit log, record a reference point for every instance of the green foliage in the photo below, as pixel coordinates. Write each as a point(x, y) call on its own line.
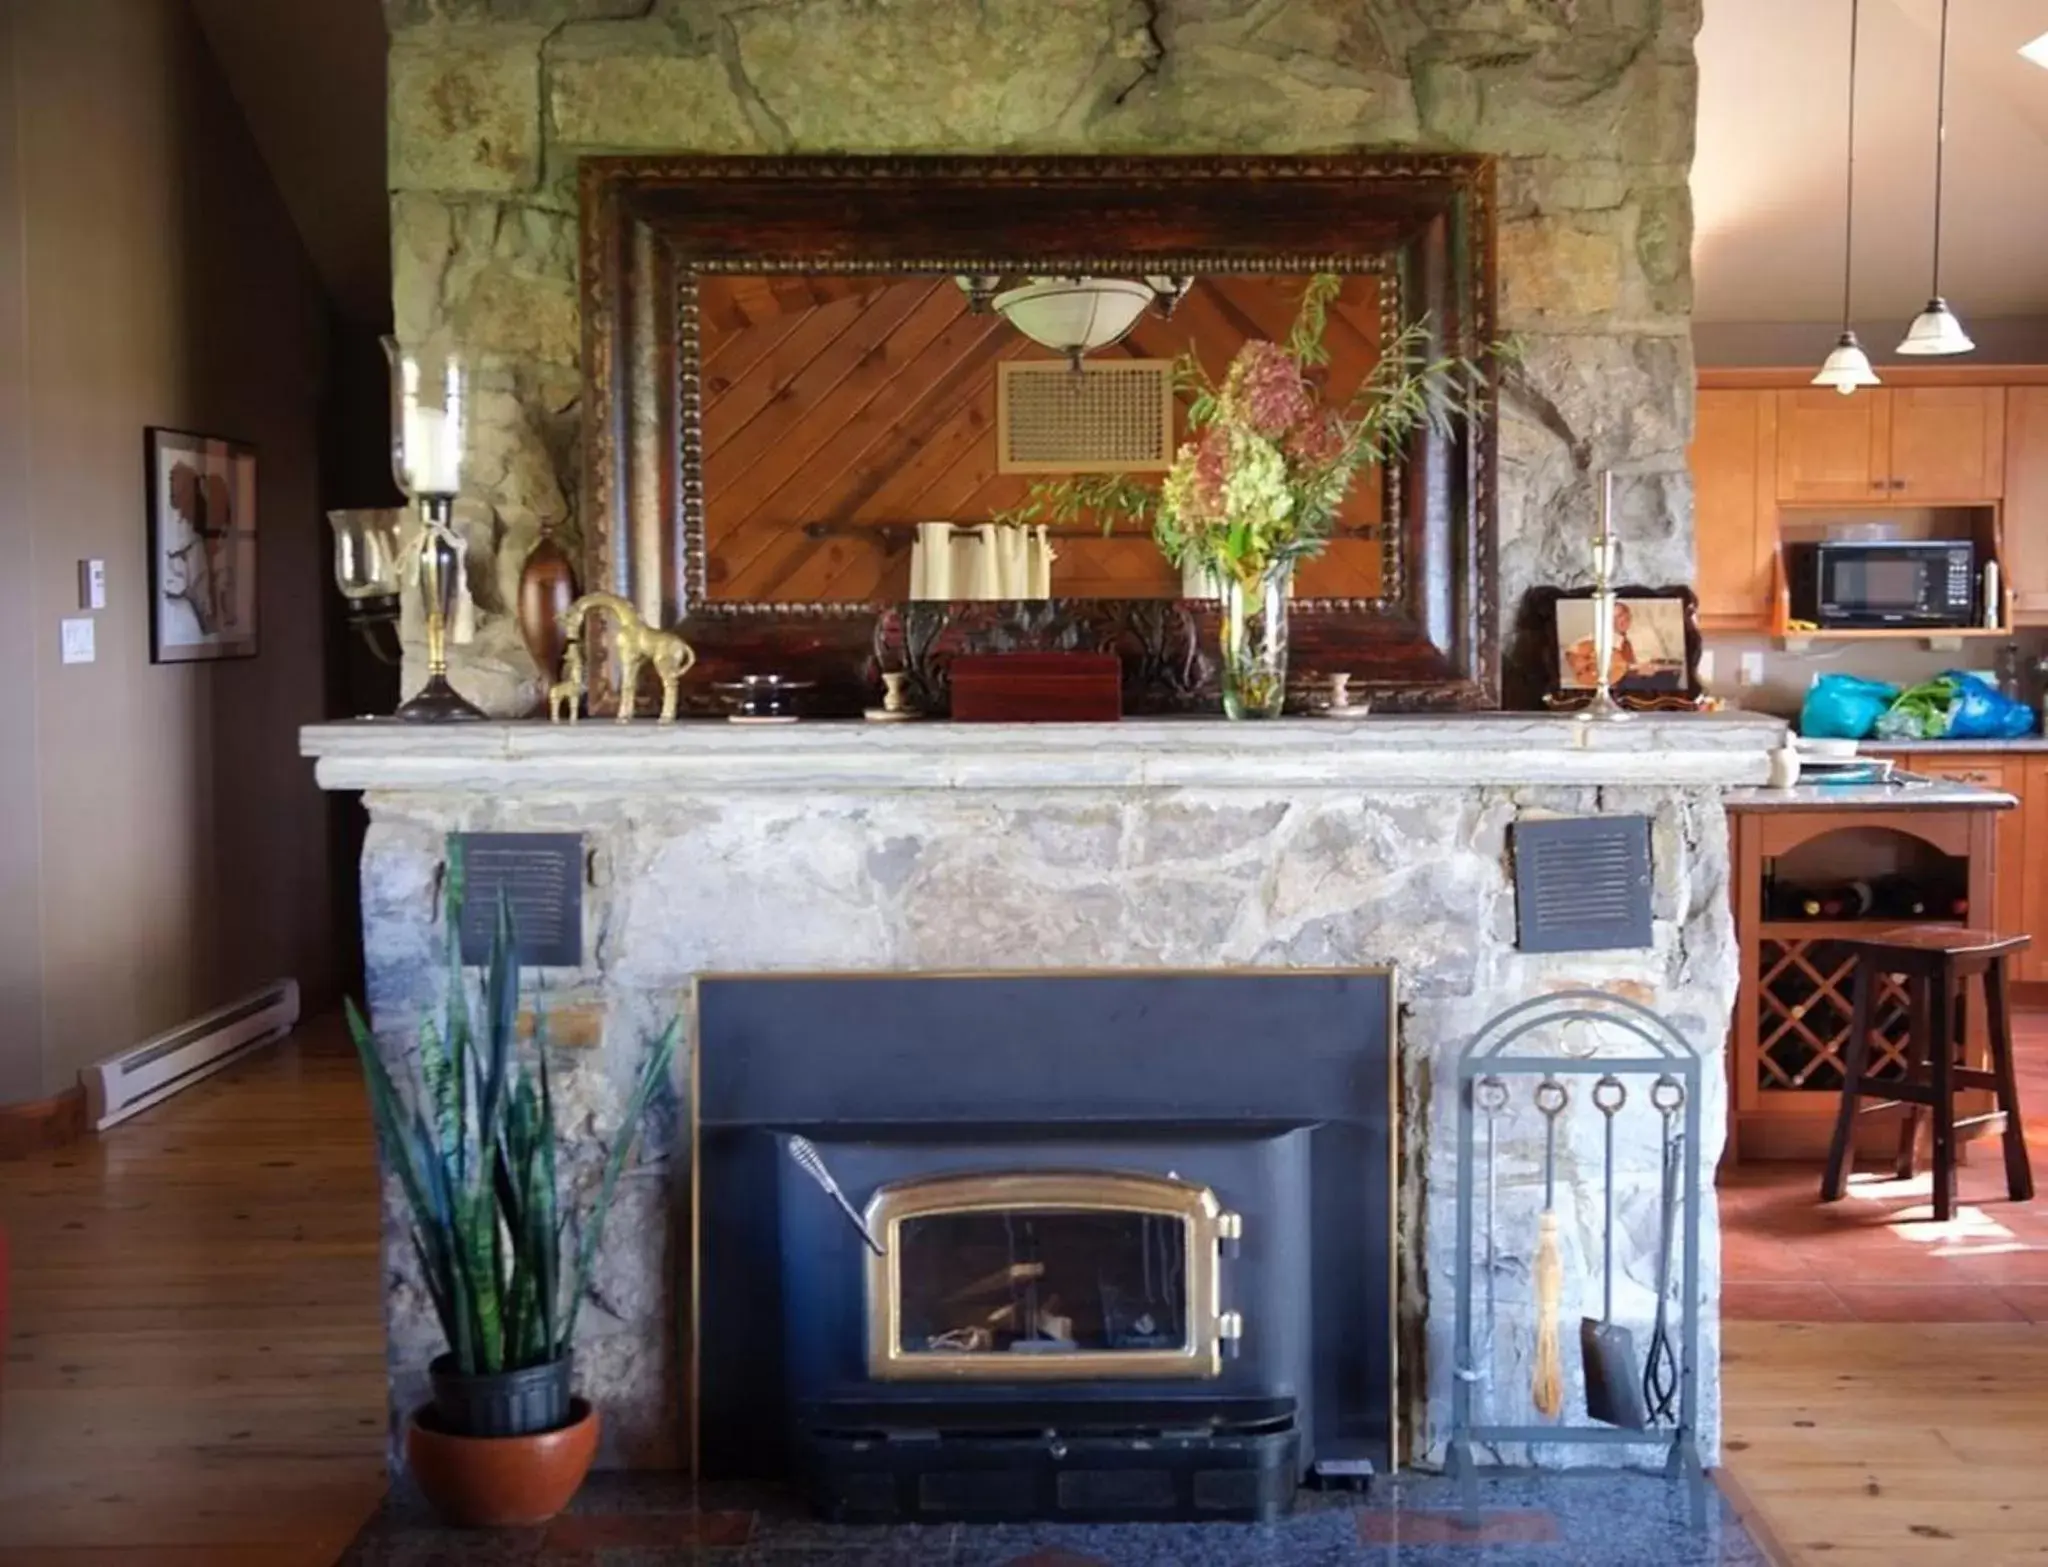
point(472, 1141)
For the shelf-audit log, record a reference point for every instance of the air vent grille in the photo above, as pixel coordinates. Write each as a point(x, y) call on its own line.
point(1111, 416)
point(1583, 884)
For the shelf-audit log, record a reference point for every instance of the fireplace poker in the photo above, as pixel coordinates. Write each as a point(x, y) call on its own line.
point(808, 1159)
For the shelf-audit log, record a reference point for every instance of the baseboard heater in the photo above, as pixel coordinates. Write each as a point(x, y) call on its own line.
point(132, 1080)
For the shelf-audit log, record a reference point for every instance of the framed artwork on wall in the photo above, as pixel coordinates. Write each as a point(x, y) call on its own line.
point(202, 547)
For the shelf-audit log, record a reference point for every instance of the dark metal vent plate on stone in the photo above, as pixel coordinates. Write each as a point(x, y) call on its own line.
point(1582, 884)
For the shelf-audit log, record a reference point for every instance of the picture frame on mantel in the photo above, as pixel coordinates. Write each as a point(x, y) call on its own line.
point(202, 540)
point(653, 228)
point(1655, 660)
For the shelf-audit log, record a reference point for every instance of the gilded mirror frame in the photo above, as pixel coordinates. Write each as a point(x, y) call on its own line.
point(652, 225)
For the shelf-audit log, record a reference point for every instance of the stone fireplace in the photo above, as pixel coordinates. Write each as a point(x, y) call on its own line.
point(1156, 847)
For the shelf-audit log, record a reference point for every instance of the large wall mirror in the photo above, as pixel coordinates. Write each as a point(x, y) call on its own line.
point(815, 409)
point(850, 421)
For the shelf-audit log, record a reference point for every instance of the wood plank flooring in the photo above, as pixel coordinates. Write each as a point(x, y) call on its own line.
point(194, 1370)
point(1866, 1444)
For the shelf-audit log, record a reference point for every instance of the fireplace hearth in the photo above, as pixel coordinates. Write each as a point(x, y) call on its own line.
point(1135, 1239)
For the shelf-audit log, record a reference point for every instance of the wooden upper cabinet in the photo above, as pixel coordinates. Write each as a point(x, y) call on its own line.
point(1833, 448)
point(1947, 444)
point(1915, 445)
point(2025, 517)
point(1734, 460)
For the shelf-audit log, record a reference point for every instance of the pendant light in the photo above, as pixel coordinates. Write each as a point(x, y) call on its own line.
point(1936, 330)
point(1848, 367)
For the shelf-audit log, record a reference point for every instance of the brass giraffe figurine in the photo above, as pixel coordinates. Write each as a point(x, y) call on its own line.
point(637, 643)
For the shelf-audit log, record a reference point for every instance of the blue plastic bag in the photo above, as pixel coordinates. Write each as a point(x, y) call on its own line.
point(1844, 707)
point(1983, 712)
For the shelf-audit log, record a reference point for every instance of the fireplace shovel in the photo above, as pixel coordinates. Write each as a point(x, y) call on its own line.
point(1614, 1386)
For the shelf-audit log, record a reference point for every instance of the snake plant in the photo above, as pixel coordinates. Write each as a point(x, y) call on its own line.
point(471, 1137)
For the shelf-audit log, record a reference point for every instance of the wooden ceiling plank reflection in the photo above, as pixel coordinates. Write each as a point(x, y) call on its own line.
point(763, 515)
point(734, 397)
point(801, 400)
point(920, 387)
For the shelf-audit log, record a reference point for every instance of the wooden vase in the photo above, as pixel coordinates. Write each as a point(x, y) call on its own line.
point(547, 587)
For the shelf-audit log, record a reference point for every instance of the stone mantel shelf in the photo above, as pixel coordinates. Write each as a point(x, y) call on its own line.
point(1458, 752)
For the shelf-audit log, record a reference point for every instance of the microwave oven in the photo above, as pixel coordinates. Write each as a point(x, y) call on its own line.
point(1890, 582)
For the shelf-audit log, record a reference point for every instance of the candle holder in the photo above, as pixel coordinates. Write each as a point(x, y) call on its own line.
point(1606, 554)
point(429, 431)
point(369, 555)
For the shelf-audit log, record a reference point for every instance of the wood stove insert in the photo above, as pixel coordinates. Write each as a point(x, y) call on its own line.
point(1135, 1231)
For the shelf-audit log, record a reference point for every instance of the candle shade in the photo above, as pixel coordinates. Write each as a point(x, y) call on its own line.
point(367, 551)
point(429, 416)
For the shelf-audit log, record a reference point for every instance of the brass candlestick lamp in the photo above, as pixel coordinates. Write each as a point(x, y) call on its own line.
point(1605, 554)
point(429, 432)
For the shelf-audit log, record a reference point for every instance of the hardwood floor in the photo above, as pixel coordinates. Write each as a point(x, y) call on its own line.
point(1866, 1444)
point(1885, 1378)
point(194, 1372)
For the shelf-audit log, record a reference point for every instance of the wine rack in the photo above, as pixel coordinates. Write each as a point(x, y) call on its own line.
point(1804, 1012)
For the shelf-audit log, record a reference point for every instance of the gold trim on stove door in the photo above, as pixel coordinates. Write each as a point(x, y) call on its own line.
point(1043, 1191)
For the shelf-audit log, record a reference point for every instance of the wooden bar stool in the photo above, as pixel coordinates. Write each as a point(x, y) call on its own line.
point(1938, 961)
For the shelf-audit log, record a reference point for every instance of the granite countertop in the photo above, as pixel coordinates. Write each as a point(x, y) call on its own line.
point(1911, 794)
point(2035, 743)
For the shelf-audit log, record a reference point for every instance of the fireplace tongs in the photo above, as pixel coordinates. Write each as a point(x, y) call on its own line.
point(812, 1163)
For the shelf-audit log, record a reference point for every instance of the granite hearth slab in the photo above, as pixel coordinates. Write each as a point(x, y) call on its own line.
point(1590, 1519)
point(1463, 751)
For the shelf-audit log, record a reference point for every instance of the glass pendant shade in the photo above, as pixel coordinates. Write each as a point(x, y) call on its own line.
point(429, 417)
point(1073, 315)
point(367, 547)
point(1847, 368)
point(1936, 331)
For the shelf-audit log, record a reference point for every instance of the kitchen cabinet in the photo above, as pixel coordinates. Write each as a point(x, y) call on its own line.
point(1947, 444)
point(2025, 515)
point(2019, 902)
point(1911, 445)
point(1993, 770)
point(1833, 448)
point(1734, 461)
point(2031, 906)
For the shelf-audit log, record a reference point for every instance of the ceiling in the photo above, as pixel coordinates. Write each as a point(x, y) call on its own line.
point(1767, 178)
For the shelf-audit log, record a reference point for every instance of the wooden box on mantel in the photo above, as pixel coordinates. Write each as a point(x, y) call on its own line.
point(1024, 688)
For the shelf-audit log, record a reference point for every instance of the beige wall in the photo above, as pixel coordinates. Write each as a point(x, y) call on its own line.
point(162, 844)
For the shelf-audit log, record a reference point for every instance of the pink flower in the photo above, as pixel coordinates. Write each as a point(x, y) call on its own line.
point(1212, 469)
point(1316, 441)
point(1266, 390)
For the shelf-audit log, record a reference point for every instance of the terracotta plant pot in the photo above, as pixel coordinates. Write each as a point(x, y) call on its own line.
point(496, 1482)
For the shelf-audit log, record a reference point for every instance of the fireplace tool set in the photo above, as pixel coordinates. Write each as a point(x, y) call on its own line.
point(1634, 1396)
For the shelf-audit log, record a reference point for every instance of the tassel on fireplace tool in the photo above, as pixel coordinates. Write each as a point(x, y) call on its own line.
point(1546, 1387)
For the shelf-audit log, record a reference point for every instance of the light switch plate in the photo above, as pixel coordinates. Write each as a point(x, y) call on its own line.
point(92, 584)
point(78, 647)
point(1752, 671)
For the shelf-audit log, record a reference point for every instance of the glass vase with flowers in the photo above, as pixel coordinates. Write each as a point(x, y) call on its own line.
point(1265, 468)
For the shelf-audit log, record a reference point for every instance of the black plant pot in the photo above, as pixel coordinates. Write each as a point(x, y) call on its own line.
point(501, 1403)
